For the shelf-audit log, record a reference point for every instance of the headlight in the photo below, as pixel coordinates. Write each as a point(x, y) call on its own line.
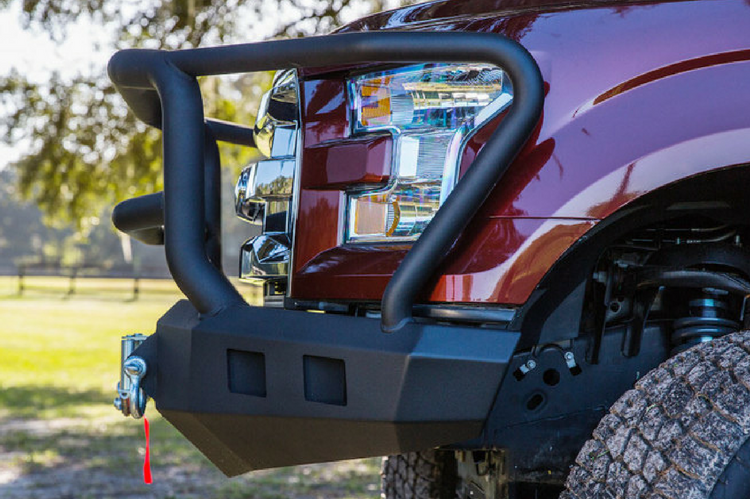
point(431, 110)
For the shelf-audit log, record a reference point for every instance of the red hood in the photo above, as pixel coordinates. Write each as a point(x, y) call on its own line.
point(442, 10)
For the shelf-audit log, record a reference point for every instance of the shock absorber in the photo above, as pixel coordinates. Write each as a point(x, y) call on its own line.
point(710, 316)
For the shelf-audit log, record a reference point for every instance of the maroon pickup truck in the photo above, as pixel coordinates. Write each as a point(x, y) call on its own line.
point(489, 229)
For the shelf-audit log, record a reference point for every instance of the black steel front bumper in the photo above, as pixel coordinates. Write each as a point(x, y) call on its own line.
point(256, 388)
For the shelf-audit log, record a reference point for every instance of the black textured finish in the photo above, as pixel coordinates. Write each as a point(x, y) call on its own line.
point(142, 218)
point(212, 208)
point(325, 380)
point(246, 372)
point(231, 132)
point(389, 382)
point(161, 89)
point(557, 407)
point(463, 313)
point(139, 213)
point(185, 168)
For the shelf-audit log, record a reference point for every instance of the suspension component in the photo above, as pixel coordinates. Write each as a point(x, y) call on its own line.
point(710, 317)
point(715, 302)
point(131, 400)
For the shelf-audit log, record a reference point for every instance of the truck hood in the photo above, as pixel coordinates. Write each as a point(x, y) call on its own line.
point(444, 10)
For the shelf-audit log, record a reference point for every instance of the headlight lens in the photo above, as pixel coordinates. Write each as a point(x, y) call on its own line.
point(431, 110)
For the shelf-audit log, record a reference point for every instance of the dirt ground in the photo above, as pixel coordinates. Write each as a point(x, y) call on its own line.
point(75, 459)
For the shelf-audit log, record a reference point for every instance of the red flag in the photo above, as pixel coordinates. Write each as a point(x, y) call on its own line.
point(147, 459)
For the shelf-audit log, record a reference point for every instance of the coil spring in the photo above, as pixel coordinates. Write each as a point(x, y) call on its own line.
point(709, 318)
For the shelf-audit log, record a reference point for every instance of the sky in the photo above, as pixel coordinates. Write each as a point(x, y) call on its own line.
point(85, 48)
point(36, 55)
point(33, 52)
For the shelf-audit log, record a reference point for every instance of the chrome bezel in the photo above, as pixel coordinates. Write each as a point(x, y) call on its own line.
point(294, 205)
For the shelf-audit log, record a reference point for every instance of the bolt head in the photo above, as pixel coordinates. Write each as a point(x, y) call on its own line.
point(569, 356)
point(531, 364)
point(134, 366)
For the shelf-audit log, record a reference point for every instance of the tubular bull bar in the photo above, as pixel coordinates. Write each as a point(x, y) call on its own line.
point(255, 388)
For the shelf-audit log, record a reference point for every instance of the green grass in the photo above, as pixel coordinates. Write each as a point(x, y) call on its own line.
point(60, 435)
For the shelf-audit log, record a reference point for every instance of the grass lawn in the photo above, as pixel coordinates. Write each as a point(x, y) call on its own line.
point(60, 437)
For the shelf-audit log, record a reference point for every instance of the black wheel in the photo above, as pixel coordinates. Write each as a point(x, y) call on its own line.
point(419, 475)
point(682, 433)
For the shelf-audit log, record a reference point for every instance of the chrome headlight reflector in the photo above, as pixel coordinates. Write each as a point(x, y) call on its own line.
point(278, 116)
point(265, 257)
point(430, 110)
point(265, 187)
point(264, 190)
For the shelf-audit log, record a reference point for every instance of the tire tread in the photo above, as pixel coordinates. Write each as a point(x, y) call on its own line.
point(427, 474)
point(673, 435)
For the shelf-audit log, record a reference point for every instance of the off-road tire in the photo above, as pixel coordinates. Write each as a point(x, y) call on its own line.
point(681, 433)
point(428, 474)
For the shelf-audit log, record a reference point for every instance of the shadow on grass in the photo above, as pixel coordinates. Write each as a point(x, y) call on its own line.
point(100, 458)
point(30, 401)
point(105, 461)
point(57, 449)
point(113, 297)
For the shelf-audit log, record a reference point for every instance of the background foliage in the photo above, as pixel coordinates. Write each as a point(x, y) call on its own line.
point(83, 150)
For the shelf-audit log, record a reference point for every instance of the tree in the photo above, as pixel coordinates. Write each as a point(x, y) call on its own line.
point(85, 151)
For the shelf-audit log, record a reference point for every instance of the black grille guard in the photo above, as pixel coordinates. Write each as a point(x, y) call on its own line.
point(256, 388)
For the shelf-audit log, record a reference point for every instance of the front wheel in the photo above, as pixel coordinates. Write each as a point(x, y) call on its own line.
point(681, 433)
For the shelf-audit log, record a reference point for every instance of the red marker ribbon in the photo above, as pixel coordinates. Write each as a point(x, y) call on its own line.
point(147, 459)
